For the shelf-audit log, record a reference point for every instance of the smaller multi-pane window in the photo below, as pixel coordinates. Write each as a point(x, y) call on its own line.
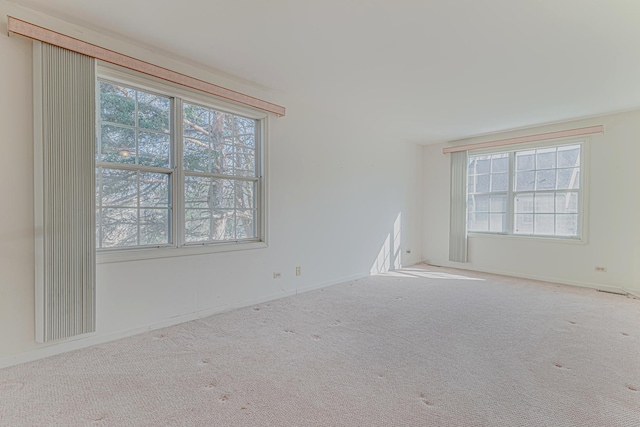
point(527, 192)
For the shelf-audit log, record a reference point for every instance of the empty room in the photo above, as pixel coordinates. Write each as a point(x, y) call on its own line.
point(332, 213)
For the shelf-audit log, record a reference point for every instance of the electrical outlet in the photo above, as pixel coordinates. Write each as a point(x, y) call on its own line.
point(601, 269)
point(276, 275)
point(298, 271)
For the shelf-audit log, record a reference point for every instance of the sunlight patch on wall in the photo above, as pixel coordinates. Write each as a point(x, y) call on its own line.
point(389, 258)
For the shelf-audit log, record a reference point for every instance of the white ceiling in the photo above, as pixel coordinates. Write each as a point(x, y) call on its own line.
point(420, 70)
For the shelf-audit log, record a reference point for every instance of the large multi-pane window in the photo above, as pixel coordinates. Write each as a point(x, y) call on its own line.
point(526, 192)
point(171, 172)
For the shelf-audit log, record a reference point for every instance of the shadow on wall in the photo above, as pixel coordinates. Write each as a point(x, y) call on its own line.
point(389, 257)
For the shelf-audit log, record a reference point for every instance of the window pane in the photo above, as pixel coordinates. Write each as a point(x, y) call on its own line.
point(245, 224)
point(546, 180)
point(566, 225)
point(525, 181)
point(119, 188)
point(525, 160)
point(483, 165)
point(197, 117)
point(567, 202)
point(498, 204)
point(222, 159)
point(197, 225)
point(224, 126)
point(154, 189)
point(196, 123)
point(478, 222)
point(569, 156)
point(497, 223)
point(196, 155)
point(196, 191)
point(248, 141)
point(568, 179)
point(543, 224)
point(117, 104)
point(203, 192)
point(524, 203)
point(153, 112)
point(154, 226)
point(523, 224)
point(119, 227)
point(546, 158)
point(153, 149)
point(482, 183)
point(222, 193)
point(480, 203)
point(245, 195)
point(499, 182)
point(544, 203)
point(245, 164)
point(500, 163)
point(223, 225)
point(118, 144)
point(245, 126)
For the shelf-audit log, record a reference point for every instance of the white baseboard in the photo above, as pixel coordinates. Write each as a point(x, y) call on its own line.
point(463, 266)
point(634, 293)
point(331, 282)
point(89, 340)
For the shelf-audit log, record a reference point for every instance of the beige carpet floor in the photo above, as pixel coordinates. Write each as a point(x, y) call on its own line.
point(419, 347)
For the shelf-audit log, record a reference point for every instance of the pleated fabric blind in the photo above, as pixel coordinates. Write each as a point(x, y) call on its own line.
point(64, 155)
point(458, 213)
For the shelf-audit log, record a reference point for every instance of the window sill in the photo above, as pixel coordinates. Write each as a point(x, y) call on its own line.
point(126, 255)
point(567, 240)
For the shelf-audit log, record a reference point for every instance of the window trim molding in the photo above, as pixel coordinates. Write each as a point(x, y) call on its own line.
point(583, 200)
point(178, 247)
point(541, 137)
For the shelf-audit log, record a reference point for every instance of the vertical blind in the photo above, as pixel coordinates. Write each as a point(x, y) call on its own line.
point(64, 156)
point(458, 212)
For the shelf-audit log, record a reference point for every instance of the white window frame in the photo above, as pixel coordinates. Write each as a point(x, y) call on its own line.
point(583, 192)
point(178, 94)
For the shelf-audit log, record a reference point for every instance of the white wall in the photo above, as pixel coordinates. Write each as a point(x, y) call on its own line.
point(336, 191)
point(612, 228)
